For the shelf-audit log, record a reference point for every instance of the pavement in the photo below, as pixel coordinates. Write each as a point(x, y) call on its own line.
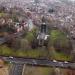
point(40, 62)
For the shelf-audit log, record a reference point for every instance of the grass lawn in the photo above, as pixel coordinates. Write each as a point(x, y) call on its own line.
point(62, 56)
point(45, 71)
point(3, 14)
point(4, 50)
point(32, 53)
point(30, 70)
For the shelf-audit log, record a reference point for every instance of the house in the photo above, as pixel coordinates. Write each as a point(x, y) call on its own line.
point(2, 21)
point(30, 24)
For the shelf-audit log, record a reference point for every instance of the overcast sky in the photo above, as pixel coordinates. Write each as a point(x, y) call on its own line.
point(72, 0)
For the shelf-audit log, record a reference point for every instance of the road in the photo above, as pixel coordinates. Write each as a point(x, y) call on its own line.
point(16, 69)
point(2, 40)
point(5, 39)
point(40, 62)
point(18, 63)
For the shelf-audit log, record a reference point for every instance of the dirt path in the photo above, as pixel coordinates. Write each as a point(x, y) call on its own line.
point(4, 71)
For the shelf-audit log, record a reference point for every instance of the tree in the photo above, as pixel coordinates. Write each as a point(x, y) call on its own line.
point(24, 44)
point(16, 44)
point(60, 41)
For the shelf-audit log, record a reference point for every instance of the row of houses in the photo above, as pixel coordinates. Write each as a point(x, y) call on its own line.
point(19, 26)
point(24, 25)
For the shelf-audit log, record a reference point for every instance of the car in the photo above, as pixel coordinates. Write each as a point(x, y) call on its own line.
point(61, 64)
point(54, 61)
point(11, 57)
point(10, 62)
point(34, 62)
point(65, 61)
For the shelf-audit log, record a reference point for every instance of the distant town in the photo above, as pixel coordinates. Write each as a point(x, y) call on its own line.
point(38, 29)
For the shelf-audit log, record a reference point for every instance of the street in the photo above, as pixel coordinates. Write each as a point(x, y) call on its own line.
point(40, 62)
point(16, 69)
